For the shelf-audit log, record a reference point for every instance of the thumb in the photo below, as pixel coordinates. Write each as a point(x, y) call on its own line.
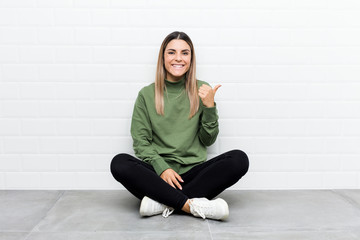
point(216, 88)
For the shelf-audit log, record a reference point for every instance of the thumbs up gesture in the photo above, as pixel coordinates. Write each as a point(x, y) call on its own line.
point(207, 94)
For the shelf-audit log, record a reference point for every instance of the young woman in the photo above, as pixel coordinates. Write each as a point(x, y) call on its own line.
point(173, 121)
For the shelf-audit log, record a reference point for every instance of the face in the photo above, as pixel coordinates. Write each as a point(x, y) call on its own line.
point(177, 59)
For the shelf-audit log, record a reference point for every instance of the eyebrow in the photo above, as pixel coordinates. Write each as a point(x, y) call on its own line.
point(184, 50)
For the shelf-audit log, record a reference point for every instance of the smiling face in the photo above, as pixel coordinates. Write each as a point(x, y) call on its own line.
point(177, 59)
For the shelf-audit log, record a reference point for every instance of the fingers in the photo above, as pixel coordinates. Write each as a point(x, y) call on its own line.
point(207, 94)
point(171, 183)
point(202, 95)
point(172, 178)
point(177, 184)
point(205, 89)
point(178, 177)
point(175, 180)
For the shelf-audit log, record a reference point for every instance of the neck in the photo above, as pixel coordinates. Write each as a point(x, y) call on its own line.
point(174, 79)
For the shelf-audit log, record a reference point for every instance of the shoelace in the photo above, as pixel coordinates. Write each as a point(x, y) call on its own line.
point(167, 212)
point(199, 209)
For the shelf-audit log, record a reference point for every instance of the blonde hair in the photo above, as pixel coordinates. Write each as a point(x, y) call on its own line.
point(190, 76)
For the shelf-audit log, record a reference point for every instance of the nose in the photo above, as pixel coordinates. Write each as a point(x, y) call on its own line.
point(178, 57)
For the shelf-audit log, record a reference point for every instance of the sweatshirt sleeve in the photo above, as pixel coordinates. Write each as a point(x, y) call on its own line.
point(141, 133)
point(209, 126)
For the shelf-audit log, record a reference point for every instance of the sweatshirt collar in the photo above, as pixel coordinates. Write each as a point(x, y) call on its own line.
point(175, 85)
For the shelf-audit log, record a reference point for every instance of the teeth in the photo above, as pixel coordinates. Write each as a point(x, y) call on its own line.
point(177, 66)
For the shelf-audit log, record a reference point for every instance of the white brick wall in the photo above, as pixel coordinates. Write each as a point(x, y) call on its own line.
point(70, 71)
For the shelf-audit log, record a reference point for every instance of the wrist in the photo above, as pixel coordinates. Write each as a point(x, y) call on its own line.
point(209, 105)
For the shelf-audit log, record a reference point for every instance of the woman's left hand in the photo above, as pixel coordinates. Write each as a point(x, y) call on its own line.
point(207, 94)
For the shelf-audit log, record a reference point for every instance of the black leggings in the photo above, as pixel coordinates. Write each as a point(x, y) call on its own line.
point(204, 180)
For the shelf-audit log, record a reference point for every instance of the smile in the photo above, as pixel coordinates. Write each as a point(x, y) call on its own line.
point(177, 65)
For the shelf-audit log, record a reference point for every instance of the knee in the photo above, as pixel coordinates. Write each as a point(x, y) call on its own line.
point(240, 161)
point(118, 165)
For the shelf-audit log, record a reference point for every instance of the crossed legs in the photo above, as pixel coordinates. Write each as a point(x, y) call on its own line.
point(204, 180)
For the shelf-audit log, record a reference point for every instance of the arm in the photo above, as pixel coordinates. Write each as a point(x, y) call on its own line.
point(209, 126)
point(141, 133)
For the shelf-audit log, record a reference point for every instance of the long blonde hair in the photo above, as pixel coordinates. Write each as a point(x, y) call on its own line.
point(190, 76)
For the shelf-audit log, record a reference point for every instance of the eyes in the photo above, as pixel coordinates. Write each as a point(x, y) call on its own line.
point(185, 53)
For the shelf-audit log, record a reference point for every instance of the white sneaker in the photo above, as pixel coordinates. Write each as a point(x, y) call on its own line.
point(216, 209)
point(149, 207)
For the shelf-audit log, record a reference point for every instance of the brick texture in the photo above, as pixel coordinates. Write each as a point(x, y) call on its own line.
point(71, 70)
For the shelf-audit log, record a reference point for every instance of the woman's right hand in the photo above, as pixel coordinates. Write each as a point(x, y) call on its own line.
point(172, 178)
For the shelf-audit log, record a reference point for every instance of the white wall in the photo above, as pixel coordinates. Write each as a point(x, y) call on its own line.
point(70, 71)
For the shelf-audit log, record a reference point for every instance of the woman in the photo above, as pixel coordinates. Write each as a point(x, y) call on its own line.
point(173, 121)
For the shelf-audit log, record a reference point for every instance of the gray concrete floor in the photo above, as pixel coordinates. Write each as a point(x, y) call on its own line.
point(276, 215)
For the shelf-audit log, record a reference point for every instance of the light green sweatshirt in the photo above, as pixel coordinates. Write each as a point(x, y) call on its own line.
point(173, 140)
